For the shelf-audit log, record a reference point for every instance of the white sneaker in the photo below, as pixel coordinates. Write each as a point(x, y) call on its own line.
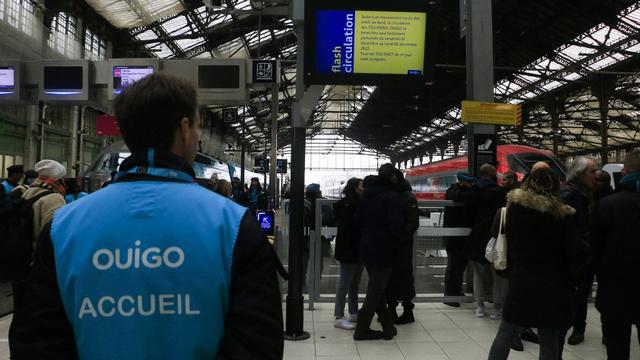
point(344, 324)
point(496, 316)
point(353, 318)
point(480, 312)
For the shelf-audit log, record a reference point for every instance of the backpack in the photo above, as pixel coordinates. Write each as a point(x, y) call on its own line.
point(16, 237)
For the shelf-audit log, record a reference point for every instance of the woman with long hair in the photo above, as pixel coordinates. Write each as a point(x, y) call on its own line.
point(543, 260)
point(347, 242)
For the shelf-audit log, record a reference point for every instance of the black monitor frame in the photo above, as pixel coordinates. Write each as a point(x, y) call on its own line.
point(312, 77)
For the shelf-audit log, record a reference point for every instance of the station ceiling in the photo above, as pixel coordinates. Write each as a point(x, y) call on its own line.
point(549, 56)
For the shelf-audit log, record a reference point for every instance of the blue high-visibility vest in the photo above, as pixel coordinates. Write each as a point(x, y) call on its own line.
point(7, 188)
point(144, 269)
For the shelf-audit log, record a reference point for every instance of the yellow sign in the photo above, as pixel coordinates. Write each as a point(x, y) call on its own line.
point(389, 42)
point(491, 113)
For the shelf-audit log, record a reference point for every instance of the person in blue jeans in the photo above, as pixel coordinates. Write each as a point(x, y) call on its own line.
point(347, 242)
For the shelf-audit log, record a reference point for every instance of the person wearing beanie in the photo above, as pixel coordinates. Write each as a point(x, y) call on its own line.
point(50, 175)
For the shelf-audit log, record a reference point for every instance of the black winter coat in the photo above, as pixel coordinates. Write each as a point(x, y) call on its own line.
point(581, 201)
point(382, 222)
point(543, 258)
point(484, 199)
point(345, 212)
point(616, 250)
point(454, 216)
point(401, 284)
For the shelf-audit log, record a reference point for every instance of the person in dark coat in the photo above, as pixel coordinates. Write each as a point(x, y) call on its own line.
point(482, 202)
point(543, 258)
point(578, 193)
point(383, 222)
point(345, 212)
point(603, 186)
point(401, 284)
point(616, 251)
point(454, 217)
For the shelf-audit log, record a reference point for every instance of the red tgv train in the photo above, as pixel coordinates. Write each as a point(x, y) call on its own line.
point(431, 181)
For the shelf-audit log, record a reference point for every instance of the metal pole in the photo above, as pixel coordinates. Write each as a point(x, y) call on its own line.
point(295, 301)
point(479, 41)
point(275, 105)
point(242, 152)
point(41, 123)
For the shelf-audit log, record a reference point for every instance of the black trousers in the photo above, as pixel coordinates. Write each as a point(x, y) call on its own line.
point(375, 300)
point(617, 337)
point(582, 300)
point(456, 264)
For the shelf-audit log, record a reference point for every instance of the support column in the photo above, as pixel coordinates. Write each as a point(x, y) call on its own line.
point(295, 302)
point(479, 41)
point(30, 139)
point(601, 87)
point(42, 114)
point(242, 154)
point(74, 116)
point(273, 174)
point(553, 108)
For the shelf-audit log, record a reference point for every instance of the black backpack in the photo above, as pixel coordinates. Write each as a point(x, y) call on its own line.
point(16, 237)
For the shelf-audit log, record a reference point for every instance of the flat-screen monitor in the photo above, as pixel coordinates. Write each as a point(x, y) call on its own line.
point(221, 81)
point(63, 79)
point(218, 76)
point(281, 166)
point(124, 76)
point(7, 78)
point(372, 42)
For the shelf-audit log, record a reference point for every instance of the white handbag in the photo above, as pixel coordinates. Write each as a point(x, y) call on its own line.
point(500, 252)
point(496, 250)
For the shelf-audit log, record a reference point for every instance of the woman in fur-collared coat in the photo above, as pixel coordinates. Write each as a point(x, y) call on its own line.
point(543, 258)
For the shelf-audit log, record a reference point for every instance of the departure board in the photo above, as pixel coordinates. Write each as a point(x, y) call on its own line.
point(370, 42)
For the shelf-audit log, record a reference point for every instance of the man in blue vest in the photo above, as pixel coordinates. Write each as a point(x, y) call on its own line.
point(15, 173)
point(153, 266)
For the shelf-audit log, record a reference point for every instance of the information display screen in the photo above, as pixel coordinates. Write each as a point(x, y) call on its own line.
point(7, 78)
point(124, 76)
point(218, 76)
point(63, 78)
point(368, 42)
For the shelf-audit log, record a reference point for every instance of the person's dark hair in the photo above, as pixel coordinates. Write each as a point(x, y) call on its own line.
point(349, 190)
point(603, 177)
point(15, 169)
point(386, 172)
point(71, 186)
point(632, 161)
point(149, 111)
point(545, 182)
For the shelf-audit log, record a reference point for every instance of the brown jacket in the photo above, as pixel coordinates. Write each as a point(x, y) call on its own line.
point(44, 208)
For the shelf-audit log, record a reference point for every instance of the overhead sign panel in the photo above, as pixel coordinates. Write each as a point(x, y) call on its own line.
point(370, 42)
point(491, 113)
point(265, 72)
point(373, 42)
point(65, 80)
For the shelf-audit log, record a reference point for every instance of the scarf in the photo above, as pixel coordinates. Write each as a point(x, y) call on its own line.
point(631, 180)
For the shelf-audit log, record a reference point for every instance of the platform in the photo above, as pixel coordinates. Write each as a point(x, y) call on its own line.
point(440, 333)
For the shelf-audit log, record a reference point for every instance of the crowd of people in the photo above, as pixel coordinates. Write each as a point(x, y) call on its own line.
point(114, 267)
point(561, 235)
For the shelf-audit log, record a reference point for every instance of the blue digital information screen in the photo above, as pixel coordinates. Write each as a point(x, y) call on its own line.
point(370, 42)
point(266, 219)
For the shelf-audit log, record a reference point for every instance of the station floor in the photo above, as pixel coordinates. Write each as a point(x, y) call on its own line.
point(440, 333)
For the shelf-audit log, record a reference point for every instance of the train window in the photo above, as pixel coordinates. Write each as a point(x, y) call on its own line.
point(522, 163)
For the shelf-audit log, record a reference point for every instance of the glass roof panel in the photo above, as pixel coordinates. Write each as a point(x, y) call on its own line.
point(134, 13)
